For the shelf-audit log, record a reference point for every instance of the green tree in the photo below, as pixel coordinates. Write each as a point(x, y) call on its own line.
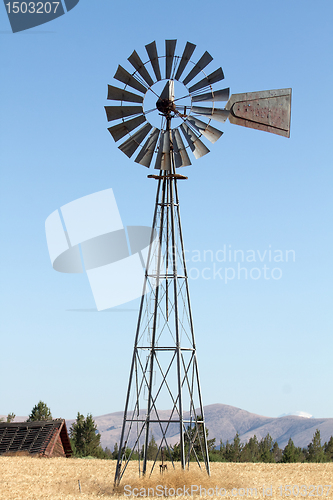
point(292, 454)
point(195, 435)
point(328, 449)
point(315, 452)
point(108, 453)
point(221, 452)
point(115, 452)
point(85, 437)
point(40, 412)
point(250, 452)
point(276, 452)
point(265, 449)
point(233, 450)
point(152, 449)
point(10, 417)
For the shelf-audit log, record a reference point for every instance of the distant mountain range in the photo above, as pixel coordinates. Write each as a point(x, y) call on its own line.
point(223, 421)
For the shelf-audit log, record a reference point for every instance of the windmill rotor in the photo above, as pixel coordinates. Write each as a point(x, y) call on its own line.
point(265, 110)
point(193, 121)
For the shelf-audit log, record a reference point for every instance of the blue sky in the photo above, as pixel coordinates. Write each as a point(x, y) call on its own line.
point(263, 345)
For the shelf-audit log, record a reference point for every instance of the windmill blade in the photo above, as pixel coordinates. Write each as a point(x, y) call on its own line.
point(124, 76)
point(197, 146)
point(169, 91)
point(146, 154)
point(136, 62)
point(267, 110)
point(115, 94)
point(213, 95)
point(163, 160)
point(128, 147)
point(201, 64)
point(170, 46)
point(119, 131)
point(220, 115)
point(188, 51)
point(153, 57)
point(214, 77)
point(180, 154)
point(211, 133)
point(116, 112)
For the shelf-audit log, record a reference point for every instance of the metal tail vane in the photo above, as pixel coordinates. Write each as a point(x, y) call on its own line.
point(164, 370)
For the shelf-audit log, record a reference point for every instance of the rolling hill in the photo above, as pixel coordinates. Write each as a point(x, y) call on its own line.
point(223, 421)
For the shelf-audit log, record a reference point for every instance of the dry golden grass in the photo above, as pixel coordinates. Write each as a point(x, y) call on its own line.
point(26, 478)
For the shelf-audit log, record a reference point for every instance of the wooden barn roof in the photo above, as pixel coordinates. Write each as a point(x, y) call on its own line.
point(37, 437)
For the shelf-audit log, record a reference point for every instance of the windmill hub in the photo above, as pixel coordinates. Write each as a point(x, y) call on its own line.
point(165, 106)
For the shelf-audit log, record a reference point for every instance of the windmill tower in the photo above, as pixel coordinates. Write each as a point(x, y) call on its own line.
point(164, 370)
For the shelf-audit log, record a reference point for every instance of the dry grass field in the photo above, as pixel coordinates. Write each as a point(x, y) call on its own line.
point(27, 478)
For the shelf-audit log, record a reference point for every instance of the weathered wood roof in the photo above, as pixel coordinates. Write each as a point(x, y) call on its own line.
point(37, 437)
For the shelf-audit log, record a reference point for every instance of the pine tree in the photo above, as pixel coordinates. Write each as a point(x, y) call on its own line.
point(233, 451)
point(292, 454)
point(40, 412)
point(85, 438)
point(328, 449)
point(276, 452)
point(250, 452)
point(108, 453)
point(115, 452)
point(315, 451)
point(222, 452)
point(265, 449)
point(195, 435)
point(152, 449)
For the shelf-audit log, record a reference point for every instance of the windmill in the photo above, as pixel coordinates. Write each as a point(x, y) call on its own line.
point(168, 116)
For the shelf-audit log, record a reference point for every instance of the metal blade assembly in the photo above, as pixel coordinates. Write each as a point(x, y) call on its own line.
point(119, 131)
point(124, 76)
point(170, 46)
point(180, 154)
point(116, 112)
point(115, 94)
point(128, 147)
point(213, 96)
point(211, 133)
point(169, 143)
point(197, 147)
point(220, 115)
point(146, 154)
point(153, 57)
point(136, 62)
point(163, 159)
point(201, 64)
point(214, 77)
point(267, 110)
point(188, 51)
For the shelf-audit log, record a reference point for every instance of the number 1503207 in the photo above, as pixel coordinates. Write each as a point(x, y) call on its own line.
point(304, 491)
point(32, 7)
